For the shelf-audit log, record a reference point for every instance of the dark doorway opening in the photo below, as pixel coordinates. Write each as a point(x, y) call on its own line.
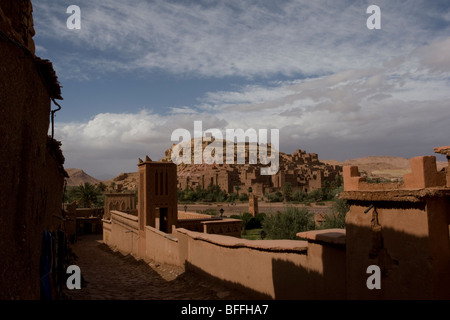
point(163, 213)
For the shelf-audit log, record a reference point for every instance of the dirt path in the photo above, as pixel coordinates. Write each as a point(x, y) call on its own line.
point(109, 275)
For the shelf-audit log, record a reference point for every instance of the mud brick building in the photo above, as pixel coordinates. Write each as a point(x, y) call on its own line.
point(31, 162)
point(402, 228)
point(302, 170)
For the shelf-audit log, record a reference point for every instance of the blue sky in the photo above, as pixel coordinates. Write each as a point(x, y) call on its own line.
point(137, 70)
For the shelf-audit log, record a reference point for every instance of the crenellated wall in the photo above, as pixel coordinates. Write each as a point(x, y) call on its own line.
point(402, 228)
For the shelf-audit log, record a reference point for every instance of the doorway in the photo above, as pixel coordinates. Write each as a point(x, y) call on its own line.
point(163, 215)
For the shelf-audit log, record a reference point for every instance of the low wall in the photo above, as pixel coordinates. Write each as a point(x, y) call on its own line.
point(161, 247)
point(89, 212)
point(224, 226)
point(268, 269)
point(121, 232)
point(227, 227)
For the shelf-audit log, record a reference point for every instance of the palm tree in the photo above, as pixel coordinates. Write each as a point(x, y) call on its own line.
point(237, 189)
point(85, 195)
point(101, 187)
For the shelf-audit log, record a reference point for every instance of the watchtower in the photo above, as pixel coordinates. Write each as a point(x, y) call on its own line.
point(157, 195)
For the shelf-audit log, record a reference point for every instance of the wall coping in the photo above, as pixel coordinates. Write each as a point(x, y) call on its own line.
point(292, 246)
point(330, 236)
point(124, 215)
point(218, 221)
point(125, 193)
point(199, 219)
point(162, 234)
point(418, 195)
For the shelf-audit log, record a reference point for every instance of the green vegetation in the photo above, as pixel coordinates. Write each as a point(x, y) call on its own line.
point(212, 194)
point(253, 234)
point(250, 222)
point(210, 211)
point(326, 193)
point(287, 191)
point(288, 194)
point(286, 224)
point(86, 195)
point(274, 197)
point(336, 219)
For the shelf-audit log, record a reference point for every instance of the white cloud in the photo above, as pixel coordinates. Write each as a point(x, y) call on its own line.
point(358, 90)
point(390, 109)
point(230, 38)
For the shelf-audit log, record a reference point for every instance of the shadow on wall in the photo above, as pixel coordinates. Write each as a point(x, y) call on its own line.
point(410, 246)
point(295, 282)
point(250, 293)
point(413, 266)
point(324, 278)
point(404, 262)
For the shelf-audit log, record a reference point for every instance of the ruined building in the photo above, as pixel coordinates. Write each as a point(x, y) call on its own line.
point(302, 170)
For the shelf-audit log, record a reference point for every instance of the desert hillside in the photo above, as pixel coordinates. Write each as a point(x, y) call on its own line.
point(381, 166)
point(124, 181)
point(78, 176)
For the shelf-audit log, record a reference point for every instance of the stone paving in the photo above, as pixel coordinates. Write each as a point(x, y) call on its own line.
point(109, 275)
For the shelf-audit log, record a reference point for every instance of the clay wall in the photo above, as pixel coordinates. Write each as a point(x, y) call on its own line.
point(276, 269)
point(161, 247)
point(119, 201)
point(121, 232)
point(404, 229)
point(32, 171)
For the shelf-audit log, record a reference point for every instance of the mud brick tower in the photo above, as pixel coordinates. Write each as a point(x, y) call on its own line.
point(157, 195)
point(253, 205)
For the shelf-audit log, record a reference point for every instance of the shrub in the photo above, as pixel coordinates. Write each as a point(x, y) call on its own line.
point(255, 222)
point(249, 221)
point(316, 195)
point(286, 224)
point(336, 219)
point(243, 197)
point(232, 197)
point(275, 197)
point(287, 191)
point(211, 212)
point(299, 195)
point(245, 217)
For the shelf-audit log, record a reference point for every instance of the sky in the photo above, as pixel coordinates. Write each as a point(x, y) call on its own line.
point(137, 70)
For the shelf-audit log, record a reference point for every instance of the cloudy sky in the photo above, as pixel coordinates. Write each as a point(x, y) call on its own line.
point(137, 70)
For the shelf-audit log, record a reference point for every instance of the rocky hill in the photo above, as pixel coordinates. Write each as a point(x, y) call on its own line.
point(78, 176)
point(124, 181)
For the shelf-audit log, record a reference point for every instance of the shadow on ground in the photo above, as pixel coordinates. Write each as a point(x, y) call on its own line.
point(110, 275)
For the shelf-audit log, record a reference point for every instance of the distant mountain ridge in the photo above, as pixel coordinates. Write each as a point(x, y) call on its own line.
point(78, 176)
